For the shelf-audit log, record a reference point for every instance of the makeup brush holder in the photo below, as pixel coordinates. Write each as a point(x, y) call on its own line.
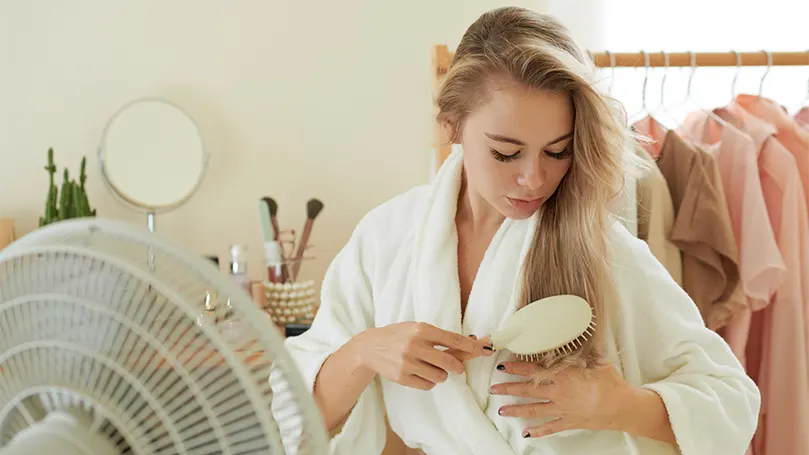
point(290, 302)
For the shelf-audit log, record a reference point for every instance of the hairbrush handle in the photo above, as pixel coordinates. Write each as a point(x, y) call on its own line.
point(501, 338)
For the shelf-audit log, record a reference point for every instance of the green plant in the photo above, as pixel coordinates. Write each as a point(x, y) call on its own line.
point(72, 202)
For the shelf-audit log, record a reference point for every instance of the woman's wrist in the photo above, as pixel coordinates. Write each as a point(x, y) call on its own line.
point(644, 414)
point(359, 354)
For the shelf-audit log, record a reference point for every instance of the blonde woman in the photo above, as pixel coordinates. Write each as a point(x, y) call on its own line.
point(520, 212)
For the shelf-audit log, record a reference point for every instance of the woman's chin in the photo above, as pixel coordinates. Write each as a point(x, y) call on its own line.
point(517, 215)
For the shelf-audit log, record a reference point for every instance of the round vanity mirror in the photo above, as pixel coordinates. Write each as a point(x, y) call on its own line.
point(152, 156)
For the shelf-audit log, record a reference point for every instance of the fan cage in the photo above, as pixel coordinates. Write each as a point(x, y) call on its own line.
point(107, 321)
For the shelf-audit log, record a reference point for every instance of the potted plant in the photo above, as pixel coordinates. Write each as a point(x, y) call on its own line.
point(72, 202)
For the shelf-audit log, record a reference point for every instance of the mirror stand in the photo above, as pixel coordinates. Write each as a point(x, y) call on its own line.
point(154, 138)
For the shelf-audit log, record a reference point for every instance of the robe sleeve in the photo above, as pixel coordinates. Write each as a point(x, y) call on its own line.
point(712, 404)
point(346, 309)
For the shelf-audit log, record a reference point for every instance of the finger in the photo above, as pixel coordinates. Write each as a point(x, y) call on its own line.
point(546, 429)
point(452, 340)
point(417, 382)
point(440, 359)
point(519, 368)
point(517, 389)
point(462, 356)
point(427, 371)
point(528, 410)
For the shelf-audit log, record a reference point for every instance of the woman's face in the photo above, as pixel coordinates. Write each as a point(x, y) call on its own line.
point(517, 148)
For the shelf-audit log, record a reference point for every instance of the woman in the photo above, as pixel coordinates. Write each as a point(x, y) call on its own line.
point(521, 213)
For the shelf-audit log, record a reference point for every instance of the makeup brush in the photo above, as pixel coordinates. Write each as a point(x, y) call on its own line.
point(558, 324)
point(272, 252)
point(313, 208)
point(273, 206)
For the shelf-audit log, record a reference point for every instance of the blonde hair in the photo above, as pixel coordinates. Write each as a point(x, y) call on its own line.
point(569, 251)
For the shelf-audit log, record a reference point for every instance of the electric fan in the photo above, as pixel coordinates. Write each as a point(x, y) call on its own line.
point(103, 351)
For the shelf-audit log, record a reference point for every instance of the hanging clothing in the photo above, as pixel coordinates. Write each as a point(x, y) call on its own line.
point(401, 264)
point(737, 302)
point(761, 264)
point(796, 140)
point(788, 132)
point(775, 350)
point(701, 228)
point(802, 117)
point(656, 219)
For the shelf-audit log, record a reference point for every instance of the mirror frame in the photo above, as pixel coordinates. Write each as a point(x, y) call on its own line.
point(119, 194)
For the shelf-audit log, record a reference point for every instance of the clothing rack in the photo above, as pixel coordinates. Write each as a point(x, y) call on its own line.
point(606, 59)
point(442, 58)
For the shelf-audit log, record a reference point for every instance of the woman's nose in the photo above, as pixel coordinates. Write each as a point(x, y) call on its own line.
point(532, 176)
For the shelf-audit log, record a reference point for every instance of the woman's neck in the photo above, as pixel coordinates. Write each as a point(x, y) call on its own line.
point(474, 212)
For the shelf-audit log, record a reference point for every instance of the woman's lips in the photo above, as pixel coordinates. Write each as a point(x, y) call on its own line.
point(526, 205)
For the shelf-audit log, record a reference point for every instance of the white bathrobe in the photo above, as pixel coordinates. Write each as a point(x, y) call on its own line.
point(400, 264)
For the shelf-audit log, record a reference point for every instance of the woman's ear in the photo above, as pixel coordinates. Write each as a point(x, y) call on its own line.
point(448, 128)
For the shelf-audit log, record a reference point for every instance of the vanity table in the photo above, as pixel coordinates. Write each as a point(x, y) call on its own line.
point(7, 234)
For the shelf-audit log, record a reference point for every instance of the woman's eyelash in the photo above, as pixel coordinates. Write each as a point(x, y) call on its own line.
point(503, 158)
point(506, 158)
point(560, 155)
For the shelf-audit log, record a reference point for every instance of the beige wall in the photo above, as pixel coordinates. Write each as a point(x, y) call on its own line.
point(293, 98)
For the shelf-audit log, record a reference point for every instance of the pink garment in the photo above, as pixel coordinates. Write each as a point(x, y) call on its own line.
point(762, 266)
point(802, 117)
point(776, 348)
point(788, 132)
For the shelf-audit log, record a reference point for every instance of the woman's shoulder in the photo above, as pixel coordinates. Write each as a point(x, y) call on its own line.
point(395, 216)
point(632, 262)
point(384, 230)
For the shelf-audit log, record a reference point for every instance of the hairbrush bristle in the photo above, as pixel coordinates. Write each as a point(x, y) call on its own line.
point(563, 350)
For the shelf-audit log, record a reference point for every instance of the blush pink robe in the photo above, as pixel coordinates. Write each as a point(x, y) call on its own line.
point(776, 349)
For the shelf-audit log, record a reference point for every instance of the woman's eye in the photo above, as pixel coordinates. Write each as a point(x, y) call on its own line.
point(503, 158)
point(559, 155)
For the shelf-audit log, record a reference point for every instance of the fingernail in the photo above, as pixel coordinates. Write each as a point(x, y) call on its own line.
point(525, 434)
point(501, 367)
point(488, 348)
point(500, 411)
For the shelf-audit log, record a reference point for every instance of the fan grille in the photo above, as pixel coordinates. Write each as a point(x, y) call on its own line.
point(87, 324)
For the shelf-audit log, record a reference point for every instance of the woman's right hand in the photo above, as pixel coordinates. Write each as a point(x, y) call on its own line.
point(407, 353)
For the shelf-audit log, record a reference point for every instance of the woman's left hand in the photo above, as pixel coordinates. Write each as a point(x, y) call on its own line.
point(595, 398)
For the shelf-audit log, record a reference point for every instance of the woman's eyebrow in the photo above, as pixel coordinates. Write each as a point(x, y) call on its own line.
point(511, 140)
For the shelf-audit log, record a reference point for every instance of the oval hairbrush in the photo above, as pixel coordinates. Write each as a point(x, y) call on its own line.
point(558, 324)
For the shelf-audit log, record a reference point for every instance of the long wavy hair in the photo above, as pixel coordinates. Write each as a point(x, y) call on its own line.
point(569, 250)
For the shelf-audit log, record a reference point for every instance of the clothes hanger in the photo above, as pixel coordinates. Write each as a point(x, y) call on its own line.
point(733, 93)
point(644, 110)
point(804, 109)
point(662, 113)
point(648, 123)
point(764, 76)
point(801, 105)
point(710, 113)
point(611, 56)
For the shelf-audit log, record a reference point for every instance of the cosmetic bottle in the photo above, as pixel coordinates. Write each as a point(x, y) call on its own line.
point(238, 266)
point(232, 325)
